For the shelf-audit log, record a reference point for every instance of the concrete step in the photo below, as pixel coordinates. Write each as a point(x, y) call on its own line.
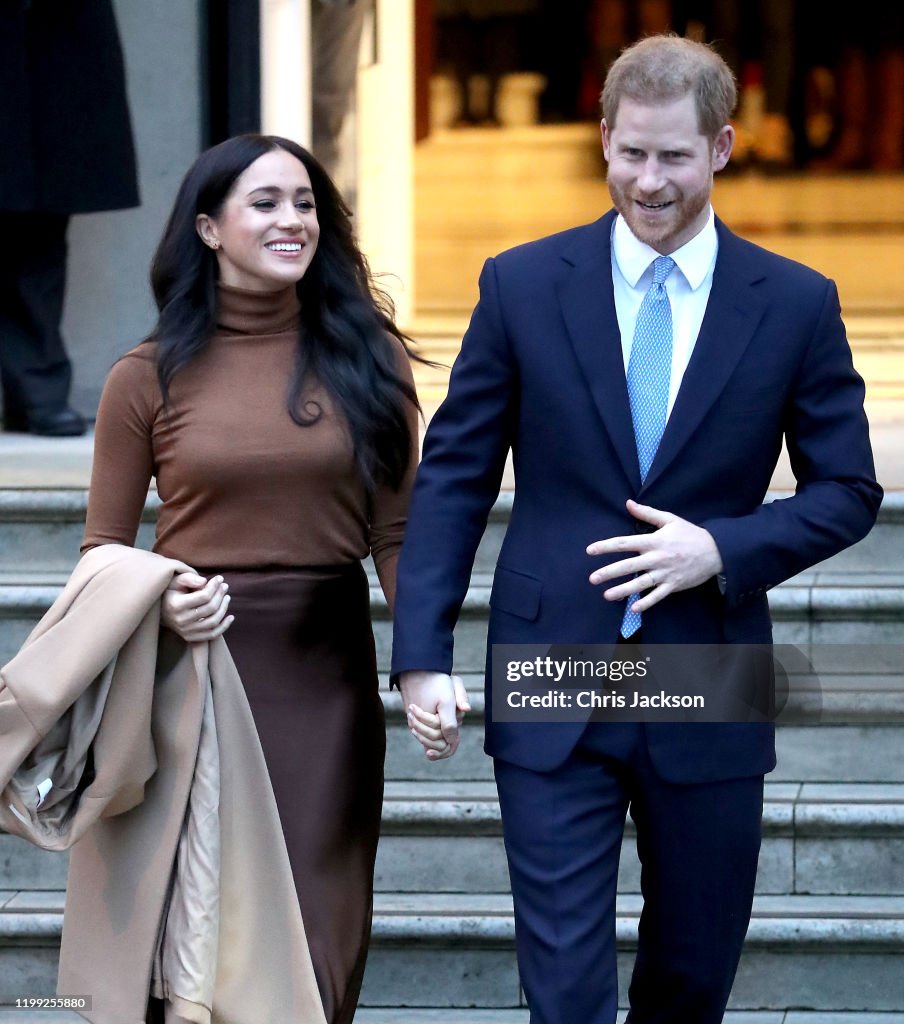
point(457, 1016)
point(41, 530)
point(855, 598)
point(811, 952)
point(522, 1017)
point(16, 1015)
point(856, 737)
point(865, 609)
point(817, 840)
point(851, 731)
point(848, 730)
point(821, 612)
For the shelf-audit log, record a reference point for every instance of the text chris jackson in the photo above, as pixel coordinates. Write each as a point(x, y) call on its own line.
point(598, 699)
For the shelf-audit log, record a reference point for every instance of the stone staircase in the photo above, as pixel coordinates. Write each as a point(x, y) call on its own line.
point(827, 935)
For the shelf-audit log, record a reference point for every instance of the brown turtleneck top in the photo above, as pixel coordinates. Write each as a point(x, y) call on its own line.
point(242, 484)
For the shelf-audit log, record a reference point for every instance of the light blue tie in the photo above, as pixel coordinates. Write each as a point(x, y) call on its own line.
point(649, 374)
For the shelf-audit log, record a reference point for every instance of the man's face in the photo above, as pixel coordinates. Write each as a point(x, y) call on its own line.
point(661, 169)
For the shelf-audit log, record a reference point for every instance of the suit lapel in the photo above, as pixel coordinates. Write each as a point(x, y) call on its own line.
point(732, 314)
point(588, 308)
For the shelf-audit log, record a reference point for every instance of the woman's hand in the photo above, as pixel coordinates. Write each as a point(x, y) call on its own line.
point(195, 608)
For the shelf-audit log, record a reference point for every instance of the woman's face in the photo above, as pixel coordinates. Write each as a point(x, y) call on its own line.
point(266, 233)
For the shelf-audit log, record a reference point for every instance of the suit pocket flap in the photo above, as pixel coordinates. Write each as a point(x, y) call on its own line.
point(516, 593)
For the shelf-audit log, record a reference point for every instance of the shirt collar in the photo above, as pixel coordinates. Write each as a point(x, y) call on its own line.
point(694, 259)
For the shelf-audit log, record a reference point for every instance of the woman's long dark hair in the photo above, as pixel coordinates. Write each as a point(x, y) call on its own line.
point(345, 318)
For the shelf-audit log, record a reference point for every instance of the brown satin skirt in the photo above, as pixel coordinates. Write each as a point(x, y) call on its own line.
point(303, 646)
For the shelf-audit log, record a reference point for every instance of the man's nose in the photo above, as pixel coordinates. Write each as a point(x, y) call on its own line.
point(650, 177)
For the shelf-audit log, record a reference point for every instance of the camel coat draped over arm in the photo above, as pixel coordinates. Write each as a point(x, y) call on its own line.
point(139, 752)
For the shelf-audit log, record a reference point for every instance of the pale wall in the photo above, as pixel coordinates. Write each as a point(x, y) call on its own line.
point(108, 302)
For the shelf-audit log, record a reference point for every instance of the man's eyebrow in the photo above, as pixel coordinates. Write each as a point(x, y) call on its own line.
point(274, 190)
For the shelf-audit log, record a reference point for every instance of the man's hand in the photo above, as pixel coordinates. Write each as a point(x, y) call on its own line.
point(676, 556)
point(436, 704)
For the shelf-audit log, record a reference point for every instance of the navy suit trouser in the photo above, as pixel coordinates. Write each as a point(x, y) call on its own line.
point(698, 847)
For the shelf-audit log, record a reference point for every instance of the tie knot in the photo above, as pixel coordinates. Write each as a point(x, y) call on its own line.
point(662, 267)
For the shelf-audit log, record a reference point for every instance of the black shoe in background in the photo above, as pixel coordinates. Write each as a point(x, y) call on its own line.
point(65, 422)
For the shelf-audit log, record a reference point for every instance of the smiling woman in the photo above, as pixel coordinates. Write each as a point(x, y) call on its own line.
point(266, 235)
point(275, 406)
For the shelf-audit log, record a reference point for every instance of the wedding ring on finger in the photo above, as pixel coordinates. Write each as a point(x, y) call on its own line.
point(652, 579)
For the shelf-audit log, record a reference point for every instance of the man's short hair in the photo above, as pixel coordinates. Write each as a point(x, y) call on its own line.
point(663, 68)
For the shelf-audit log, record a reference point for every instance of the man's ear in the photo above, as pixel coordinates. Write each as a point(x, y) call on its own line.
point(605, 134)
point(722, 146)
point(207, 231)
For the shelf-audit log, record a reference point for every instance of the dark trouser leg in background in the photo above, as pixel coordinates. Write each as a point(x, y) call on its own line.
point(35, 369)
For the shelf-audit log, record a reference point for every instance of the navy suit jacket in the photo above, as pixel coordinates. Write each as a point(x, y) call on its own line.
point(541, 372)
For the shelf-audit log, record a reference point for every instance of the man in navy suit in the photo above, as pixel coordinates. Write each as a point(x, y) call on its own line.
point(600, 521)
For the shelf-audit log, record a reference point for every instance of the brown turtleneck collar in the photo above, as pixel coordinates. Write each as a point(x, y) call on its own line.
point(241, 311)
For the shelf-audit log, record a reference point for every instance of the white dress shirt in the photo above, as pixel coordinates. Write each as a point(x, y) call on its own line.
point(688, 288)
